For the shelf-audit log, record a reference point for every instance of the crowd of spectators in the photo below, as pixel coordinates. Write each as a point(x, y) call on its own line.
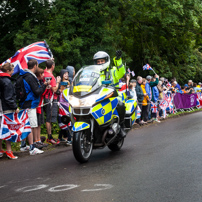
point(153, 89)
point(44, 91)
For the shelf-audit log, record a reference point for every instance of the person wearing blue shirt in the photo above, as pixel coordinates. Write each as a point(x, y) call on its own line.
point(176, 86)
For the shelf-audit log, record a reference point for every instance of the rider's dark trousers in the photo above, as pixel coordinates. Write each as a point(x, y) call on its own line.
point(121, 109)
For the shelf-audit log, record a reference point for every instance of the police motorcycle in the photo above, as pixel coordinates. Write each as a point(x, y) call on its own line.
point(93, 113)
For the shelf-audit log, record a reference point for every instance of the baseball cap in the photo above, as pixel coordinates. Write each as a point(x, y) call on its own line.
point(185, 85)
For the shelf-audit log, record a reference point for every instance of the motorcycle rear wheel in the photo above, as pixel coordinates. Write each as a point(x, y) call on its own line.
point(116, 146)
point(82, 148)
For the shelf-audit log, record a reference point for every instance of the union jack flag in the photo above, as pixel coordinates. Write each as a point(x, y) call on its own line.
point(154, 107)
point(198, 104)
point(15, 127)
point(163, 104)
point(38, 51)
point(63, 111)
point(170, 108)
point(132, 73)
point(138, 112)
point(169, 84)
point(147, 67)
point(168, 98)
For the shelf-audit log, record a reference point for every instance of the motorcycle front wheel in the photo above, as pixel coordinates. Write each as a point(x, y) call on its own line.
point(116, 146)
point(82, 148)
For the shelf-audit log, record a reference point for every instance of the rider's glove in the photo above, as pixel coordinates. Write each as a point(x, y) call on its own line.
point(118, 54)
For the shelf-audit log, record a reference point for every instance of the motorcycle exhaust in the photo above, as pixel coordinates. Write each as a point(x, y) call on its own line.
point(114, 130)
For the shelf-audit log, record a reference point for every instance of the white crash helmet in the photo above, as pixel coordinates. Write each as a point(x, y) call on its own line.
point(102, 55)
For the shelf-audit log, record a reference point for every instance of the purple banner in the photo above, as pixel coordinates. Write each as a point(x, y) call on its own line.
point(185, 101)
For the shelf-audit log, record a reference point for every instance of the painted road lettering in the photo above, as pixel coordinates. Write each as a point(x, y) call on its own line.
point(32, 188)
point(103, 187)
point(64, 187)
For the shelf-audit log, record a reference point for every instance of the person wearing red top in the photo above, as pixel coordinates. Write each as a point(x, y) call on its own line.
point(50, 99)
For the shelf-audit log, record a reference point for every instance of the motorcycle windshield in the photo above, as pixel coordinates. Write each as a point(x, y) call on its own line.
point(86, 80)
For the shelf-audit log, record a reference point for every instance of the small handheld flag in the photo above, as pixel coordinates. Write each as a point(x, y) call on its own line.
point(148, 67)
point(154, 107)
point(131, 72)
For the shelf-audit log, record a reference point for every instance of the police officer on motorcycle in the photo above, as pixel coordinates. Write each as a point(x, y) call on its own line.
point(114, 74)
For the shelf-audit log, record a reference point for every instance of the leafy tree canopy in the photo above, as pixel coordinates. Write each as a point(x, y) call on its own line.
point(164, 33)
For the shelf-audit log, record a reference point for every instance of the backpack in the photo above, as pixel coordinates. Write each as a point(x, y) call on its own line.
point(20, 91)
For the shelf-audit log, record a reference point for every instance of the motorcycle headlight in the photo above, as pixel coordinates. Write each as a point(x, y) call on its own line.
point(88, 102)
point(84, 102)
point(73, 101)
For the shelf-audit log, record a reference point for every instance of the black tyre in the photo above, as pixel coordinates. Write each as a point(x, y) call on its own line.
point(116, 146)
point(82, 148)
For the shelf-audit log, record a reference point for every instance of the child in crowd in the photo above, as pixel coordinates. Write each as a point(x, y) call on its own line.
point(64, 134)
point(132, 89)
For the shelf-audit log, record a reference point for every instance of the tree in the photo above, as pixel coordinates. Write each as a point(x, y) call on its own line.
point(164, 33)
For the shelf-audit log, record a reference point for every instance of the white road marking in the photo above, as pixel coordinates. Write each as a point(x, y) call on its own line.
point(32, 188)
point(64, 187)
point(59, 188)
point(104, 187)
point(3, 186)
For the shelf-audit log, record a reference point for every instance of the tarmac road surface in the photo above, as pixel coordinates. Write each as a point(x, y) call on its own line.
point(159, 162)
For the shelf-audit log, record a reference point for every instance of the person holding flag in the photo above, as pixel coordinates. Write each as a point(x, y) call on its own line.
point(7, 96)
point(155, 95)
point(33, 91)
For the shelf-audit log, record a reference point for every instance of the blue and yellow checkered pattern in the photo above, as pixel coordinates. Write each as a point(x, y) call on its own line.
point(122, 96)
point(104, 92)
point(80, 126)
point(133, 117)
point(130, 109)
point(130, 106)
point(103, 112)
